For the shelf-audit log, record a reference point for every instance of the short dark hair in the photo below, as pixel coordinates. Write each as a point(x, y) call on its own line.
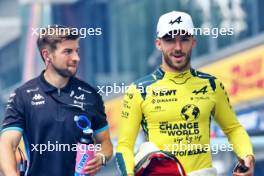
point(49, 40)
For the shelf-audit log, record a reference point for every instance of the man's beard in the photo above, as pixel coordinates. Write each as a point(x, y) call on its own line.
point(64, 72)
point(170, 63)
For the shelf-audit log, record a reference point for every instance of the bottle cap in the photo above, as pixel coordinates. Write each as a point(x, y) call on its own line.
point(86, 124)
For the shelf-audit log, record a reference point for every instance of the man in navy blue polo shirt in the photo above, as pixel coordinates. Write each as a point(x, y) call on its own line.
point(43, 109)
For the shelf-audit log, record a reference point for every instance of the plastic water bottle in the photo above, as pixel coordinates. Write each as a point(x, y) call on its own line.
point(85, 148)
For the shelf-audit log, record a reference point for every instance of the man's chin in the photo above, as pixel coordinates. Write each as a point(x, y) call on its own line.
point(72, 72)
point(67, 74)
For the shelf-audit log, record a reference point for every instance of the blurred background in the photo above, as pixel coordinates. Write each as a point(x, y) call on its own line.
point(125, 51)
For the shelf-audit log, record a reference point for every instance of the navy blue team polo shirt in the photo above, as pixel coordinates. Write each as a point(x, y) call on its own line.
point(45, 115)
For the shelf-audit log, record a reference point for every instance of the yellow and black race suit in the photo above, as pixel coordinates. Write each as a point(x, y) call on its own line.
point(175, 110)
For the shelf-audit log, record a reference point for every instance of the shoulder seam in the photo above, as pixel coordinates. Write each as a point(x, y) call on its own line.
point(144, 83)
point(202, 75)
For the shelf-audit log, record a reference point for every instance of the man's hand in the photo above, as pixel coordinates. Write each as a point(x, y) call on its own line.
point(94, 165)
point(9, 141)
point(249, 162)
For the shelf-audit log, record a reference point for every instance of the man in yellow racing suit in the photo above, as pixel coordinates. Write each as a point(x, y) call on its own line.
point(175, 104)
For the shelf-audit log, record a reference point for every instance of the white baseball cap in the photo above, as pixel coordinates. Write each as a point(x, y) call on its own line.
point(172, 21)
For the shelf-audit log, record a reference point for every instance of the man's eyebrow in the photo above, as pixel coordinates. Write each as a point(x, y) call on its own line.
point(71, 49)
point(67, 49)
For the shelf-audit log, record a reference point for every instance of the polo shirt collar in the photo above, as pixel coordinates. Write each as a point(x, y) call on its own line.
point(47, 87)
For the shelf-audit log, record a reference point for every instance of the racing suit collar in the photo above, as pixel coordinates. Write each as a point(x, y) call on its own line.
point(47, 87)
point(176, 75)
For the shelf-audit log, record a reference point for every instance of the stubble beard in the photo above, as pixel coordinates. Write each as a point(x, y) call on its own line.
point(177, 67)
point(65, 73)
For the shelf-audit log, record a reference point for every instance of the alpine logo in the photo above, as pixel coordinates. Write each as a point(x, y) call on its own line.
point(37, 100)
point(81, 97)
point(178, 20)
point(202, 90)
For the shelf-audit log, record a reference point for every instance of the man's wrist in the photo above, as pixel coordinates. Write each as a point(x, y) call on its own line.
point(252, 158)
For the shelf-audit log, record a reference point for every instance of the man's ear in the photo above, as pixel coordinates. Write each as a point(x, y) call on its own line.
point(158, 43)
point(45, 54)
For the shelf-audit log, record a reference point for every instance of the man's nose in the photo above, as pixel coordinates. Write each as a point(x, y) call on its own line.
point(178, 45)
point(76, 57)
